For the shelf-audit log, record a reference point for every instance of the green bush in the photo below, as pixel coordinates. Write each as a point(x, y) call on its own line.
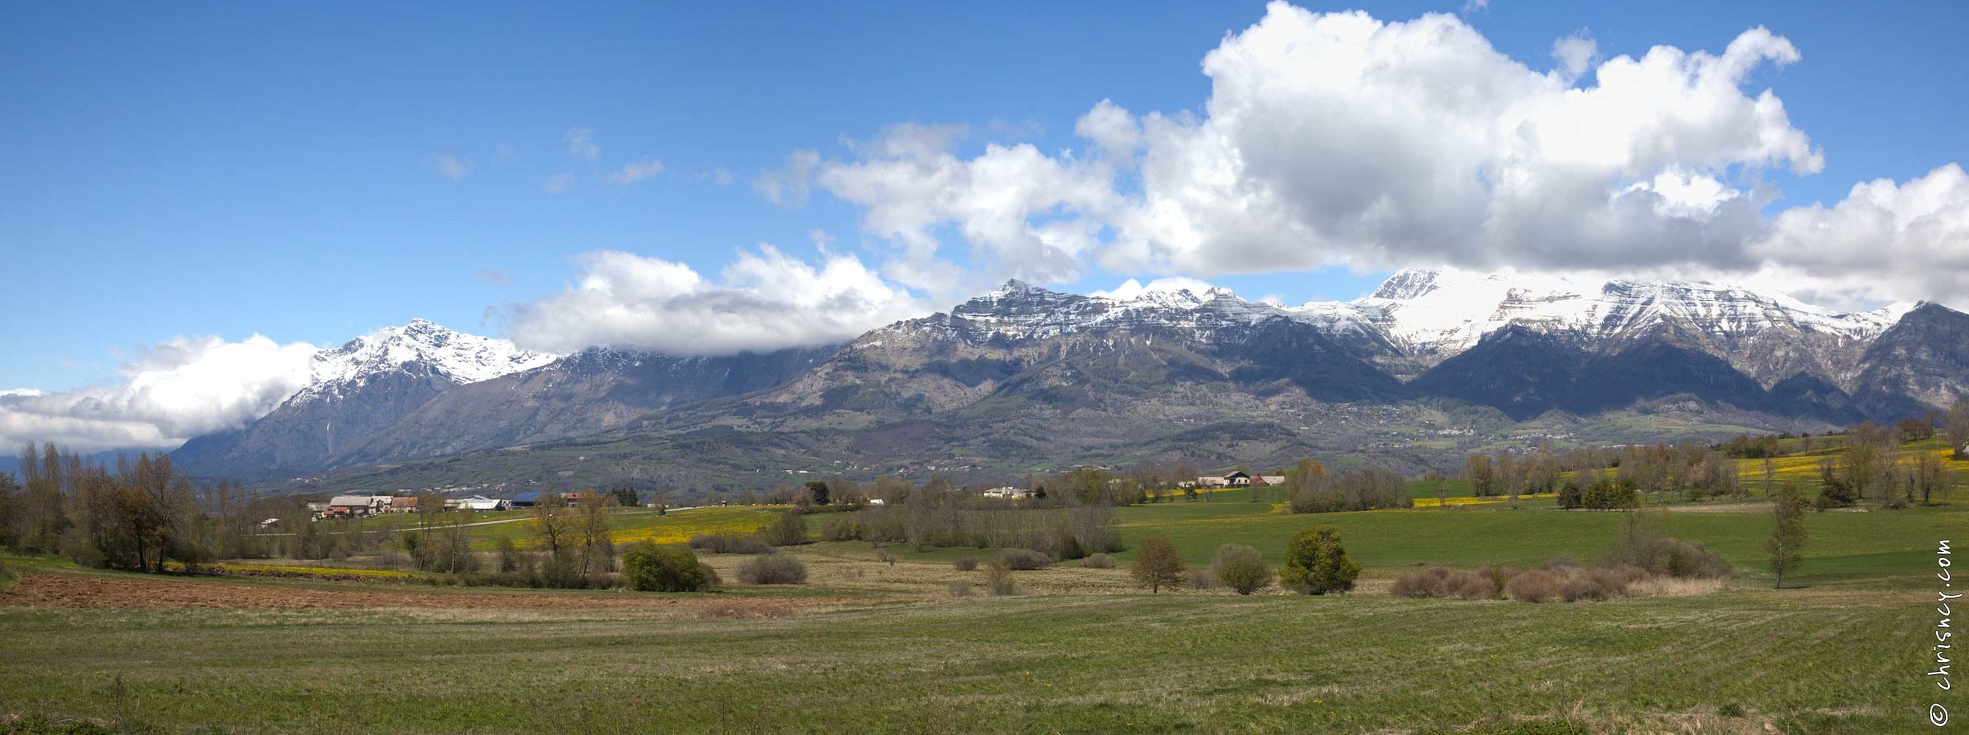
point(775, 568)
point(1240, 568)
point(1571, 495)
point(1316, 563)
point(653, 568)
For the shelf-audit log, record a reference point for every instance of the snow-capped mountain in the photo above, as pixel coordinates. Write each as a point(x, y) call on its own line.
point(1028, 376)
point(455, 356)
point(360, 388)
point(1444, 312)
point(1418, 318)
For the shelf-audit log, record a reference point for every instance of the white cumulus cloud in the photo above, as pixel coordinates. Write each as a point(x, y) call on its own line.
point(451, 165)
point(763, 301)
point(1885, 241)
point(581, 143)
point(172, 391)
point(1337, 139)
point(637, 171)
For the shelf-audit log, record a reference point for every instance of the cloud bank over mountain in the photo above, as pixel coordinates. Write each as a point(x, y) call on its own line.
point(172, 391)
point(1335, 139)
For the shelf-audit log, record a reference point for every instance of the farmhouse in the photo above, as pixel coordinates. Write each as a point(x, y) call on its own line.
point(1008, 492)
point(481, 503)
point(1239, 479)
point(355, 506)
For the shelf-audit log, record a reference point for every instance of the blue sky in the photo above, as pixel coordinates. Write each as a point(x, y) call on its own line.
point(273, 168)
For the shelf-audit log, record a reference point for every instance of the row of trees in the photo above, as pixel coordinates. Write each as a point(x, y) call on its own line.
point(138, 515)
point(1314, 490)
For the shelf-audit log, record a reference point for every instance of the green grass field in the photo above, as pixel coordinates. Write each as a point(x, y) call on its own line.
point(1815, 661)
point(886, 648)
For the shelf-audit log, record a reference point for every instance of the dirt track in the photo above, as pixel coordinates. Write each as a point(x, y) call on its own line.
point(69, 591)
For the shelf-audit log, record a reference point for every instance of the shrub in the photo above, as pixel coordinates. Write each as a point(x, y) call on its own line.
point(960, 589)
point(1240, 568)
point(1573, 583)
point(774, 568)
point(841, 527)
point(789, 530)
point(966, 563)
point(652, 568)
point(1316, 563)
point(1537, 585)
point(1098, 561)
point(1638, 546)
point(509, 554)
point(1200, 579)
point(998, 578)
point(1025, 559)
point(1443, 583)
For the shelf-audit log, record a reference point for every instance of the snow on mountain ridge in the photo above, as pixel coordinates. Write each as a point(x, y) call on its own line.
point(459, 357)
point(1431, 314)
point(1447, 311)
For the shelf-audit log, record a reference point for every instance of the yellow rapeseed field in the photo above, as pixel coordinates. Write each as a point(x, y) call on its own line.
point(277, 570)
point(1454, 502)
point(679, 527)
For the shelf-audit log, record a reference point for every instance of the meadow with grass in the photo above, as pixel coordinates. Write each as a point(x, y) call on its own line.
point(923, 633)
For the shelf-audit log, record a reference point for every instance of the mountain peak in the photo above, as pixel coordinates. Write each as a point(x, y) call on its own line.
point(459, 357)
point(1014, 286)
point(1407, 283)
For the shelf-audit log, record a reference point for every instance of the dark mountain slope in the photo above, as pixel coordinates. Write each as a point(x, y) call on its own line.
point(1920, 363)
point(1515, 370)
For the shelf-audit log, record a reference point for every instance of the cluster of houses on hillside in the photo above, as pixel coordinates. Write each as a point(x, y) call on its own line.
point(363, 506)
point(1234, 479)
point(1239, 479)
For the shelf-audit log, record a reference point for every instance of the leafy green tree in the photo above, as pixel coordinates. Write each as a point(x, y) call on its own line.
point(1158, 565)
point(1571, 495)
point(817, 492)
point(1240, 568)
point(1788, 537)
point(652, 568)
point(1316, 563)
